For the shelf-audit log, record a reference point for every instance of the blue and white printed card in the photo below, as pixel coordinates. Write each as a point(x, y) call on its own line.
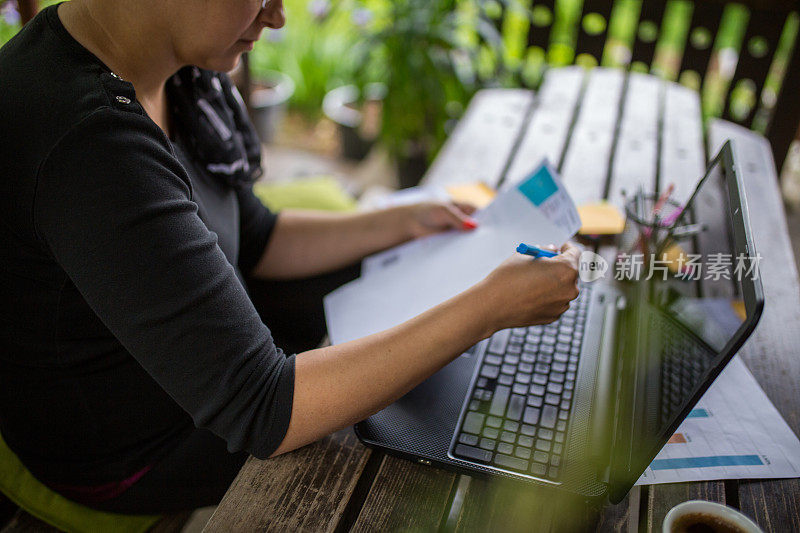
point(544, 188)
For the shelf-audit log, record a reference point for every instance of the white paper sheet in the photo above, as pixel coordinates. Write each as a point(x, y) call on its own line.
point(542, 188)
point(422, 274)
point(734, 432)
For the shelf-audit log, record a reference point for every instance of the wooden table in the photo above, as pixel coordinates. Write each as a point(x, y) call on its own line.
point(606, 130)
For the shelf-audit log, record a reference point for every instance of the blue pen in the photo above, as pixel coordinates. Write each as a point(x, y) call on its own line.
point(534, 251)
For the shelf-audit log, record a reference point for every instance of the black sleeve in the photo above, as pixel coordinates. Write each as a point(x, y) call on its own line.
point(256, 223)
point(113, 206)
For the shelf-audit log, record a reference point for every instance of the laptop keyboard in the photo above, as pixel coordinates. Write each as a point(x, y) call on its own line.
point(519, 405)
point(684, 362)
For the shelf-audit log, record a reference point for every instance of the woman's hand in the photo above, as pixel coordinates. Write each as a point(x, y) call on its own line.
point(523, 291)
point(427, 218)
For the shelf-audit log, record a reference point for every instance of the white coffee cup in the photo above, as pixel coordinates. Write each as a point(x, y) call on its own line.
point(718, 510)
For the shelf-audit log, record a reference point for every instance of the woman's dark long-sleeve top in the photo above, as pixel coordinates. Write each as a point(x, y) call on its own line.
point(123, 318)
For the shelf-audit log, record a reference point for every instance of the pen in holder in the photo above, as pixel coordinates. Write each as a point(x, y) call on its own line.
point(649, 224)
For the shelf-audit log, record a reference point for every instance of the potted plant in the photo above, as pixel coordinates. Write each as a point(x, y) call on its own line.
point(428, 63)
point(357, 114)
point(270, 92)
point(312, 49)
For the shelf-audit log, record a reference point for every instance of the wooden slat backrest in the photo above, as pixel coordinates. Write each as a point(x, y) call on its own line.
point(766, 20)
point(646, 35)
point(706, 17)
point(783, 127)
point(754, 61)
point(539, 30)
point(593, 43)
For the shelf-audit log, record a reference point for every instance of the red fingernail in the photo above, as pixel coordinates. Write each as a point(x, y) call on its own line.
point(469, 223)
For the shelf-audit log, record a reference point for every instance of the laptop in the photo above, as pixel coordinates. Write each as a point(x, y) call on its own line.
point(584, 404)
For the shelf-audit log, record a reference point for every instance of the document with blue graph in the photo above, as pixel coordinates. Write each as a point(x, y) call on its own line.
point(734, 432)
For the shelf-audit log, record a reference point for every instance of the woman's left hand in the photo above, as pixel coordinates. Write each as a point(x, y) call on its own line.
point(426, 218)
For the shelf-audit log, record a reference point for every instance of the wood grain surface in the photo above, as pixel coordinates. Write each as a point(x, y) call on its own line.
point(483, 140)
point(588, 155)
point(546, 134)
point(406, 496)
point(305, 490)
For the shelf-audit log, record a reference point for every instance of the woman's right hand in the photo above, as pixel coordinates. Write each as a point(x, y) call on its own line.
point(522, 291)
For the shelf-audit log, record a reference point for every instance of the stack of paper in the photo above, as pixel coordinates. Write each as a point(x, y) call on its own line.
point(407, 280)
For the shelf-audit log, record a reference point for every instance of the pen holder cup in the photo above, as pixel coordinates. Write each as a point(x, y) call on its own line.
point(645, 228)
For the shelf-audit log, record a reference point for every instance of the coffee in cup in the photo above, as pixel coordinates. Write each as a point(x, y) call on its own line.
point(698, 516)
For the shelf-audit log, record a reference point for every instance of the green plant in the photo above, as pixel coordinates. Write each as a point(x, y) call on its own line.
point(9, 20)
point(426, 53)
point(313, 49)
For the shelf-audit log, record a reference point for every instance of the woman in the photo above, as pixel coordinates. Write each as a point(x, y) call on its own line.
point(132, 356)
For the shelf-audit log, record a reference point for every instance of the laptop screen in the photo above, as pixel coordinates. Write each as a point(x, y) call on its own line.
point(701, 298)
point(708, 296)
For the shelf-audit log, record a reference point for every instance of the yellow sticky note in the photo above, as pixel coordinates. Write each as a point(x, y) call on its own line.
point(675, 256)
point(600, 218)
point(477, 194)
point(739, 309)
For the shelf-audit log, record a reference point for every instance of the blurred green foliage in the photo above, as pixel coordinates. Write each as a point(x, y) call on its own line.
point(433, 54)
point(315, 48)
point(420, 51)
point(418, 48)
point(9, 20)
point(9, 17)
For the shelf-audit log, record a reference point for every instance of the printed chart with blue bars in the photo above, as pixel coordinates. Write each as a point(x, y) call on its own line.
point(734, 432)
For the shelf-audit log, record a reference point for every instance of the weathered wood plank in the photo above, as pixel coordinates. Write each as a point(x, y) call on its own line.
point(683, 158)
point(623, 517)
point(546, 133)
point(662, 498)
point(637, 148)
point(771, 352)
point(304, 490)
point(588, 154)
point(481, 143)
point(773, 504)
point(172, 523)
point(406, 496)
